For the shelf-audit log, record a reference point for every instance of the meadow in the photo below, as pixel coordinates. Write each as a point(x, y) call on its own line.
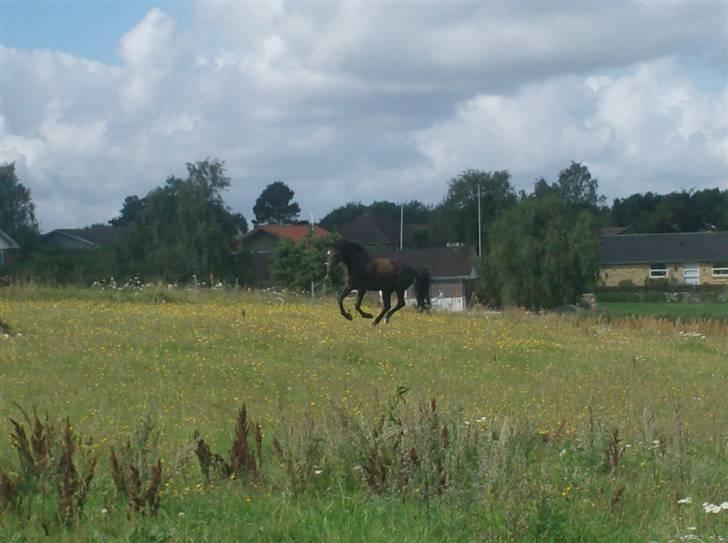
point(439, 427)
point(683, 311)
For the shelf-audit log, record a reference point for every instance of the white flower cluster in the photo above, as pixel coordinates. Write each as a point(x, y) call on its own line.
point(715, 508)
point(688, 335)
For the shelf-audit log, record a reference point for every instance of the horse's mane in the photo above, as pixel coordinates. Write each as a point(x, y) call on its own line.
point(353, 255)
point(350, 248)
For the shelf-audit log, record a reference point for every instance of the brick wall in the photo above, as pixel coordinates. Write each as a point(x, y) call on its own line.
point(611, 276)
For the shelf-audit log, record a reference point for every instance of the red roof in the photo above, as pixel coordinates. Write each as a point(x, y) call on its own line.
point(294, 232)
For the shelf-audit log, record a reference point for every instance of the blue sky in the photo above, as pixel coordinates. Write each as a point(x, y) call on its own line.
point(357, 101)
point(88, 29)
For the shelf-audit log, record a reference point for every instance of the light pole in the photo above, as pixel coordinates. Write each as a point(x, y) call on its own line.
point(401, 227)
point(480, 229)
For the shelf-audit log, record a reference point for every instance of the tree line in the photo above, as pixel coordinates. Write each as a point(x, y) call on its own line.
point(540, 247)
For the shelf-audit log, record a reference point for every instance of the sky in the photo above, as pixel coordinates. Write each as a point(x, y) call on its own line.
point(357, 101)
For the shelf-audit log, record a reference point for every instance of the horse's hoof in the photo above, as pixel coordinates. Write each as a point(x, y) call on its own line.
point(348, 317)
point(367, 316)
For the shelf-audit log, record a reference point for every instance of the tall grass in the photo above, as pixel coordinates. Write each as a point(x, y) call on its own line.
point(435, 428)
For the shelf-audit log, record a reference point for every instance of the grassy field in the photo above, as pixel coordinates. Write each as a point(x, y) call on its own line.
point(520, 444)
point(683, 311)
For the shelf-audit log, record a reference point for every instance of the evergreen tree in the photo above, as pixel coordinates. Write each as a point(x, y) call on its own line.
point(275, 205)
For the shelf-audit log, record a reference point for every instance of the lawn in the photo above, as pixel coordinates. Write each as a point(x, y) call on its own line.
point(684, 311)
point(519, 444)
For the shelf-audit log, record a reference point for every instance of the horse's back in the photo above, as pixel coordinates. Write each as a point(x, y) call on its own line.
point(389, 273)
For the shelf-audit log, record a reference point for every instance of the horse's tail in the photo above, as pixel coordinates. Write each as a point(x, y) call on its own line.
point(422, 289)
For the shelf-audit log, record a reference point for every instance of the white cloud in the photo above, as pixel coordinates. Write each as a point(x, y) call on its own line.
point(648, 130)
point(373, 101)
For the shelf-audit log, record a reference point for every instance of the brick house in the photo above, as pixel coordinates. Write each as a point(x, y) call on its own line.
point(693, 258)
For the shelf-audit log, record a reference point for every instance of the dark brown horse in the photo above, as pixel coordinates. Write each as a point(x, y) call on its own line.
point(386, 274)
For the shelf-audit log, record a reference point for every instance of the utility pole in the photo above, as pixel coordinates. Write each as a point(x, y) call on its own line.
point(401, 227)
point(480, 229)
point(313, 285)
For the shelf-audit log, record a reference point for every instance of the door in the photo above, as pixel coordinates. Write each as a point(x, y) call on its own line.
point(691, 274)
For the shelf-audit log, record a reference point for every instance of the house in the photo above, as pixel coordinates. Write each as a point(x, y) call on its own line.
point(616, 230)
point(264, 239)
point(451, 269)
point(261, 242)
point(376, 231)
point(693, 258)
point(91, 237)
point(8, 249)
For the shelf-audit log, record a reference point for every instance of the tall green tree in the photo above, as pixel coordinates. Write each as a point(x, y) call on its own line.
point(456, 218)
point(577, 186)
point(275, 205)
point(542, 253)
point(185, 228)
point(17, 210)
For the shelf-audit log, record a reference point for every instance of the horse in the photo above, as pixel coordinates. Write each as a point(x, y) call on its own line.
point(387, 275)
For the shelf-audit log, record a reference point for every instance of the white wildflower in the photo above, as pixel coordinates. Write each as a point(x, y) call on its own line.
point(685, 500)
point(104, 511)
point(711, 508)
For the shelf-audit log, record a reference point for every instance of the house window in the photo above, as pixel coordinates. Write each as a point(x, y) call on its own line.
point(720, 269)
point(658, 271)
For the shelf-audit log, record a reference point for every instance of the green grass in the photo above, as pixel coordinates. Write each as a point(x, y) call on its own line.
point(526, 404)
point(668, 310)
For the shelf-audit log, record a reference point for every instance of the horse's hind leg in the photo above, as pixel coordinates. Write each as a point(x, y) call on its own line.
point(347, 289)
point(359, 298)
point(387, 302)
point(400, 305)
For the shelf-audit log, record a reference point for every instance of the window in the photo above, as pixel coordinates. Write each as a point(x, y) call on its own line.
point(658, 271)
point(2, 257)
point(720, 269)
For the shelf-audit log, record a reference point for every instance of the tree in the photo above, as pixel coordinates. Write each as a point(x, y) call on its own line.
point(415, 212)
point(684, 211)
point(339, 216)
point(543, 253)
point(456, 218)
point(17, 210)
point(297, 265)
point(275, 206)
point(185, 228)
point(130, 211)
point(577, 187)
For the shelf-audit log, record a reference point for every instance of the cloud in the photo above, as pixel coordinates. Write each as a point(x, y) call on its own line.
point(648, 130)
point(370, 101)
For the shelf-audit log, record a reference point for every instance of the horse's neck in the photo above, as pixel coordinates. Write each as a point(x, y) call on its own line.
point(358, 262)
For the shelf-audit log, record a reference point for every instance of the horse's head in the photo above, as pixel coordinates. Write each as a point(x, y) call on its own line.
point(333, 257)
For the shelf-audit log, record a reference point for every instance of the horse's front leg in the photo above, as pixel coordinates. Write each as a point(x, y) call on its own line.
point(359, 297)
point(387, 303)
point(400, 305)
point(343, 294)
